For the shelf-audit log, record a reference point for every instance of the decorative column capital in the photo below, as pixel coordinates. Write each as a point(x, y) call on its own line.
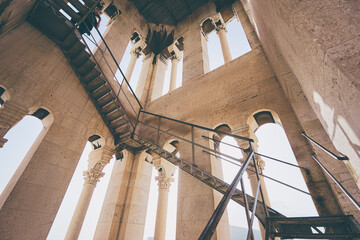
point(92, 176)
point(164, 182)
point(135, 52)
point(220, 28)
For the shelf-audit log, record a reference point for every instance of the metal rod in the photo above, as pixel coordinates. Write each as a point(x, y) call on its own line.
point(247, 209)
point(118, 66)
point(158, 132)
point(201, 127)
point(256, 153)
point(192, 145)
point(337, 182)
point(265, 176)
point(216, 216)
point(254, 207)
point(341, 158)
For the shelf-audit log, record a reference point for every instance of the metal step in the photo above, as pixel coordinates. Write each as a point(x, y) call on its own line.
point(66, 8)
point(79, 6)
point(330, 227)
point(75, 50)
point(85, 68)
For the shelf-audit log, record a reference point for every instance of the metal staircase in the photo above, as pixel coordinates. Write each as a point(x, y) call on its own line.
point(126, 121)
point(46, 16)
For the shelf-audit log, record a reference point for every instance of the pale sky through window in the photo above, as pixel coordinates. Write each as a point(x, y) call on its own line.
point(286, 201)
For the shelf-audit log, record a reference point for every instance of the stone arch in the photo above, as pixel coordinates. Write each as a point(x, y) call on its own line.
point(96, 141)
point(207, 26)
point(261, 117)
point(43, 114)
point(4, 95)
point(171, 145)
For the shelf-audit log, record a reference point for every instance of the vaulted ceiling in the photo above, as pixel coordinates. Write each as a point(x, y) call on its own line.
point(171, 12)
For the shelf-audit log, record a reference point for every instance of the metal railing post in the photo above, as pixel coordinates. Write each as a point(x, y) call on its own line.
point(220, 209)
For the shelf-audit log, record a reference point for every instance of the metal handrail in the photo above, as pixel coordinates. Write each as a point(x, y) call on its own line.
point(198, 126)
point(340, 158)
point(352, 199)
point(107, 48)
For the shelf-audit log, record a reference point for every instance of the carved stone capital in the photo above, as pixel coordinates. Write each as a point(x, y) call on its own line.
point(164, 182)
point(92, 176)
point(136, 52)
point(220, 28)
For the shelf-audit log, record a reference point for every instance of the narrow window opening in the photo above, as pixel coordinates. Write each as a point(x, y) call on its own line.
point(235, 37)
point(124, 64)
point(149, 231)
point(273, 142)
point(236, 213)
point(20, 139)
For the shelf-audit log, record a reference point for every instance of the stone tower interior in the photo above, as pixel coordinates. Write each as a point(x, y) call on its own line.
point(302, 73)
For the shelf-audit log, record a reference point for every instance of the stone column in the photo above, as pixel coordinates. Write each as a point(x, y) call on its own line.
point(134, 56)
point(166, 171)
point(221, 32)
point(174, 66)
point(98, 159)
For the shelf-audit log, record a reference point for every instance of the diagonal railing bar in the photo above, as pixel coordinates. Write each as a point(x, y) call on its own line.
point(352, 199)
point(256, 153)
point(261, 174)
point(102, 52)
point(106, 81)
point(200, 127)
point(340, 158)
point(254, 207)
point(216, 216)
point(250, 231)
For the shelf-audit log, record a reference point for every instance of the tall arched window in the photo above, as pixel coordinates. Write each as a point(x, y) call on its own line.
point(20, 139)
point(273, 142)
point(68, 205)
point(226, 39)
point(173, 74)
point(131, 61)
point(229, 155)
point(172, 201)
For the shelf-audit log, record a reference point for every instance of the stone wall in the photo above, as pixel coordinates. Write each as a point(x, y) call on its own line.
point(37, 74)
